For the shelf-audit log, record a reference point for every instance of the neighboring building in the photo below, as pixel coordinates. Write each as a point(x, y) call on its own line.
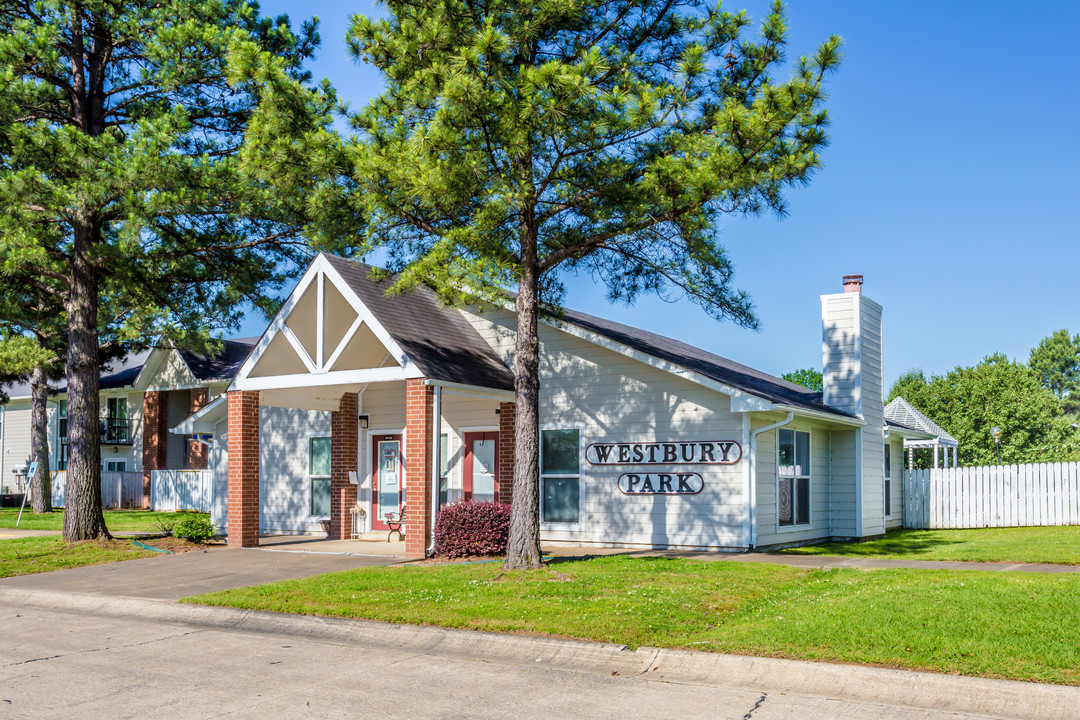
point(163, 385)
point(644, 440)
point(942, 445)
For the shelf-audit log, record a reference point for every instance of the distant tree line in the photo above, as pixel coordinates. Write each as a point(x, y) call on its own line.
point(1036, 405)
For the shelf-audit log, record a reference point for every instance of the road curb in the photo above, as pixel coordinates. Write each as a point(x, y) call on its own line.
point(929, 691)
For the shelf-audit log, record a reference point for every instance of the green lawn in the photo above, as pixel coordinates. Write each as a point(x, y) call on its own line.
point(115, 520)
point(1008, 625)
point(1030, 545)
point(25, 556)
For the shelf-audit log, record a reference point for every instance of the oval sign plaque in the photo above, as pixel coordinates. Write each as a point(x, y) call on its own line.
point(660, 483)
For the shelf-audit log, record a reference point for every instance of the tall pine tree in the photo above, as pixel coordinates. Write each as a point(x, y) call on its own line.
point(518, 140)
point(120, 167)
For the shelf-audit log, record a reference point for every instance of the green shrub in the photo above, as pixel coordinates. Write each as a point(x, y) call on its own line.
point(196, 528)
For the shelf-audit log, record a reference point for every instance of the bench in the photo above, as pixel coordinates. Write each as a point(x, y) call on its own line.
point(395, 521)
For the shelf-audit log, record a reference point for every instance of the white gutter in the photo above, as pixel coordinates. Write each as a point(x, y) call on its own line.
point(455, 388)
point(436, 458)
point(829, 417)
point(752, 500)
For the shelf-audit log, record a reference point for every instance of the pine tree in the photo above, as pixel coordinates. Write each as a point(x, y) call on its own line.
point(121, 178)
point(520, 140)
point(1056, 360)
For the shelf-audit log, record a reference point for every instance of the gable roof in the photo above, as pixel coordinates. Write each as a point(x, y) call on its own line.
point(115, 374)
point(436, 338)
point(222, 365)
point(902, 413)
point(714, 367)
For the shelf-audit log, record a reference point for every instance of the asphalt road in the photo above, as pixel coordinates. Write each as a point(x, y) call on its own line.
point(72, 665)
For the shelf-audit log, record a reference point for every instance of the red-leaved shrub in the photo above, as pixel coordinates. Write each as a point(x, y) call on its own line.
point(472, 528)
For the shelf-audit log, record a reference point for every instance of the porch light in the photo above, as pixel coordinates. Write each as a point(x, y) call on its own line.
point(362, 420)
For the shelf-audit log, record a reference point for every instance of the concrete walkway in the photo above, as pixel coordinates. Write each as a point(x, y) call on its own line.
point(171, 577)
point(812, 561)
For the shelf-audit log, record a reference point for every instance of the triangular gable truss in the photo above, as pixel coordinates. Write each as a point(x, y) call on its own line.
point(322, 292)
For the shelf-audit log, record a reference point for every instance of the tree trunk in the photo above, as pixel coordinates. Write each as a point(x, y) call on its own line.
point(83, 518)
point(523, 548)
point(41, 485)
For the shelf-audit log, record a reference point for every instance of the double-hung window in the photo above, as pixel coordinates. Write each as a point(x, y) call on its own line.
point(793, 481)
point(888, 479)
point(560, 476)
point(444, 469)
point(319, 475)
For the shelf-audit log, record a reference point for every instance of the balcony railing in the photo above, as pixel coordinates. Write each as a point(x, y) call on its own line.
point(116, 431)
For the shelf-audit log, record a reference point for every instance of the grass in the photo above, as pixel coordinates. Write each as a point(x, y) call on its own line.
point(1059, 545)
point(115, 520)
point(25, 556)
point(1022, 626)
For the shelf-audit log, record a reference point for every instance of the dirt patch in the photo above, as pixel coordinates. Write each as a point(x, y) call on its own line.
point(176, 545)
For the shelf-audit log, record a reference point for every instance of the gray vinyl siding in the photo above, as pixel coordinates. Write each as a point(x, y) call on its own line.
point(769, 530)
point(611, 397)
point(284, 491)
point(873, 412)
point(16, 440)
point(843, 442)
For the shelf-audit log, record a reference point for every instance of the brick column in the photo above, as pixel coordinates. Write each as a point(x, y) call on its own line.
point(243, 468)
point(506, 451)
point(343, 460)
point(418, 428)
point(154, 422)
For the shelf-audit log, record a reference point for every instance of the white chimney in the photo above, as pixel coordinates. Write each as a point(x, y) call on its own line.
point(853, 381)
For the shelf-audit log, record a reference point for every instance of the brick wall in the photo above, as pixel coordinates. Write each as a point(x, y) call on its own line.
point(343, 460)
point(418, 450)
point(155, 427)
point(243, 468)
point(506, 452)
point(196, 451)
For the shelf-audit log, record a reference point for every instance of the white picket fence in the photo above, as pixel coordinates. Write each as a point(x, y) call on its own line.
point(181, 490)
point(994, 496)
point(118, 489)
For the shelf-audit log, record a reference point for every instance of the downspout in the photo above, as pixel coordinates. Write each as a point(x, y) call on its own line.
point(753, 475)
point(436, 464)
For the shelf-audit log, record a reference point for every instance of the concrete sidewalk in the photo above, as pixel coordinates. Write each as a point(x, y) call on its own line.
point(809, 561)
point(854, 691)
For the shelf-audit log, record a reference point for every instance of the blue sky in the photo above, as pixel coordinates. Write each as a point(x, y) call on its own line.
point(947, 185)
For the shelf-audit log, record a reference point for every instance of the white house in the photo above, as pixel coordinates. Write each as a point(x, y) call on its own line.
point(645, 441)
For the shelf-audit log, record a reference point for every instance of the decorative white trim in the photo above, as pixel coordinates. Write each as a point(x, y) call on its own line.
point(339, 377)
point(345, 341)
point(319, 372)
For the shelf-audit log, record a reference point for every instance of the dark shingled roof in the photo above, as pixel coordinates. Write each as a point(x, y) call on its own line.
point(116, 374)
point(437, 338)
point(224, 364)
point(700, 361)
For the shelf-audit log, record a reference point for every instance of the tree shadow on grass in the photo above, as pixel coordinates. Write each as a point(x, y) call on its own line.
point(903, 543)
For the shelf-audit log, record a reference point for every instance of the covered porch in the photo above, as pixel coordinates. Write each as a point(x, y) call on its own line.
point(354, 405)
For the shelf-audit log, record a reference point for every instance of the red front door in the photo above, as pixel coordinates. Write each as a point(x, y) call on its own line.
point(387, 478)
point(481, 476)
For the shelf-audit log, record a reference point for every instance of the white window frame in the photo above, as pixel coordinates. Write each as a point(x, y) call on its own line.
point(309, 487)
point(795, 526)
point(115, 462)
point(554, 526)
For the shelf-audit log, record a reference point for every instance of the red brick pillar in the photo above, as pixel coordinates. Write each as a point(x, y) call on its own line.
point(243, 468)
point(506, 452)
point(197, 455)
point(418, 428)
point(343, 460)
point(154, 421)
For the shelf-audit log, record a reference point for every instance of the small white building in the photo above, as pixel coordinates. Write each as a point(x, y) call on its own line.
point(355, 398)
